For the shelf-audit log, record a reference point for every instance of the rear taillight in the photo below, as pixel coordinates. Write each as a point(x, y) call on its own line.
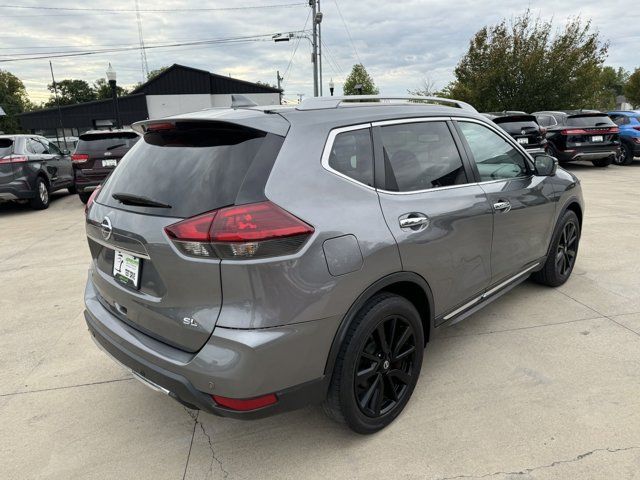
point(14, 159)
point(79, 158)
point(247, 404)
point(582, 131)
point(92, 198)
point(255, 230)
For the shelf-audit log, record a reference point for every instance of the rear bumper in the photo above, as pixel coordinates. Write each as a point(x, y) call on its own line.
point(587, 153)
point(234, 363)
point(16, 190)
point(89, 181)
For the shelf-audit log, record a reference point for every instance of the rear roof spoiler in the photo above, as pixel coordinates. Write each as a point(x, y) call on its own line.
point(321, 103)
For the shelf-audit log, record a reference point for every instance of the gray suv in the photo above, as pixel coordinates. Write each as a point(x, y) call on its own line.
point(253, 260)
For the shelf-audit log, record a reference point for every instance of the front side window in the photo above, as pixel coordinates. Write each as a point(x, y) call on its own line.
point(352, 155)
point(495, 158)
point(35, 146)
point(50, 147)
point(420, 156)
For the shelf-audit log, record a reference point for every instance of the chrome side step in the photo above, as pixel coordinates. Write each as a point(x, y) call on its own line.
point(480, 300)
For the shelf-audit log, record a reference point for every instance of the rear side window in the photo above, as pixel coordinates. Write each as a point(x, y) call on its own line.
point(352, 155)
point(420, 156)
point(194, 167)
point(6, 146)
point(495, 158)
point(102, 142)
point(621, 120)
point(590, 121)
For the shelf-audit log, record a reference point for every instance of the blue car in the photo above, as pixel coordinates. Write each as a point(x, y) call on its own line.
point(629, 123)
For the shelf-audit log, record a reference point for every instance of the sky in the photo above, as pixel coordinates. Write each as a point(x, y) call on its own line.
point(401, 43)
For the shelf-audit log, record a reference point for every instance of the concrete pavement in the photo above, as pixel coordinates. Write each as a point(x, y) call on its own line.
point(542, 384)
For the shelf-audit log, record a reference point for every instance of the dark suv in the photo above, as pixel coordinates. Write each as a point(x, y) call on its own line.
point(581, 135)
point(523, 128)
point(96, 155)
point(31, 167)
point(254, 260)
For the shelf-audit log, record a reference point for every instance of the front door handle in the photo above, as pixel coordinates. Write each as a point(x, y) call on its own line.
point(414, 221)
point(502, 206)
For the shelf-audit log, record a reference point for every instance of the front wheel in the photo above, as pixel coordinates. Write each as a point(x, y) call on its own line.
point(378, 365)
point(562, 253)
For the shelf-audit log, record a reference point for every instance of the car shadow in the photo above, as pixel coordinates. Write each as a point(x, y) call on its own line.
point(21, 208)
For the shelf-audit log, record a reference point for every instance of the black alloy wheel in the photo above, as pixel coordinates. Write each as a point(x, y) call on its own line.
point(385, 368)
point(567, 249)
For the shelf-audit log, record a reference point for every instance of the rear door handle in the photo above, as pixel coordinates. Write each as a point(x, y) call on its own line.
point(414, 221)
point(502, 206)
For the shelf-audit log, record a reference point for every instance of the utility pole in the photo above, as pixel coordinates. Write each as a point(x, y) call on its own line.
point(320, 47)
point(55, 92)
point(314, 43)
point(279, 87)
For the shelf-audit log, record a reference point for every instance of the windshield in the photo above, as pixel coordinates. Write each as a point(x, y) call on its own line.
point(193, 168)
point(100, 142)
point(590, 121)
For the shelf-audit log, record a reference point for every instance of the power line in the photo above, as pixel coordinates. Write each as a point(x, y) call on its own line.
point(133, 10)
point(45, 55)
point(335, 66)
point(285, 76)
point(348, 32)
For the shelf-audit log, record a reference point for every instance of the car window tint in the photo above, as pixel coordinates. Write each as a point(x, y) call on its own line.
point(620, 120)
point(35, 146)
point(495, 157)
point(420, 156)
point(50, 148)
point(546, 120)
point(6, 146)
point(352, 155)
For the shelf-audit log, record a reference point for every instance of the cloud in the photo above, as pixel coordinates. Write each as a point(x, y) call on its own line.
point(400, 43)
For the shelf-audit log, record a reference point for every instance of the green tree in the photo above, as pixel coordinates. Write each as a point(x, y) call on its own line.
point(102, 89)
point(13, 100)
point(359, 76)
point(71, 92)
point(154, 73)
point(612, 84)
point(632, 89)
point(523, 65)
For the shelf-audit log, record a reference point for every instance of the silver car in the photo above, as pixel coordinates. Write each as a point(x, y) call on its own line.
point(253, 260)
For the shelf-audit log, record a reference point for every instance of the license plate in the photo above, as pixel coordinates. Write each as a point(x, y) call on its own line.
point(597, 138)
point(126, 269)
point(111, 162)
point(523, 141)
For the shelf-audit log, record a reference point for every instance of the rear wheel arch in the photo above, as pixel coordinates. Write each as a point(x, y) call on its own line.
point(409, 285)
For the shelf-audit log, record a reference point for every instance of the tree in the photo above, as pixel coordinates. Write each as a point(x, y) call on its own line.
point(612, 84)
point(154, 73)
point(427, 89)
point(359, 76)
point(632, 89)
point(71, 92)
point(102, 89)
point(522, 65)
point(13, 100)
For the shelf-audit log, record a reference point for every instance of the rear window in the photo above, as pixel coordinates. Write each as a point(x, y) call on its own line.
point(590, 121)
point(101, 142)
point(515, 125)
point(6, 146)
point(194, 167)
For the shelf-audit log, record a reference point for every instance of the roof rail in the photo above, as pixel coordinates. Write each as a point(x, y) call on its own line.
point(320, 103)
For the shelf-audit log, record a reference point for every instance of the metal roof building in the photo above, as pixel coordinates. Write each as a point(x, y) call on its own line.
point(178, 89)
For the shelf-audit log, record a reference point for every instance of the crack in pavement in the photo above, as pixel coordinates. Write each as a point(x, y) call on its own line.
point(66, 386)
point(214, 458)
point(527, 471)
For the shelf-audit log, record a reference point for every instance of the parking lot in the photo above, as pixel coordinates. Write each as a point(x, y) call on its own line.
point(541, 384)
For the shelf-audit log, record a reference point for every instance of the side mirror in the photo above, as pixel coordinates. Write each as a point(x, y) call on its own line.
point(66, 152)
point(545, 165)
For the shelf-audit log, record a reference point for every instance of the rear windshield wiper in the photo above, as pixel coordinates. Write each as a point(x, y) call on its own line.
point(116, 146)
point(137, 200)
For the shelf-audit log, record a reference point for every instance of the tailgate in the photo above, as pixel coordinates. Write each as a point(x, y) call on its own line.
point(176, 300)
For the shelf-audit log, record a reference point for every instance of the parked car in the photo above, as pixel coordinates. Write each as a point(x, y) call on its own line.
point(523, 128)
point(581, 135)
point(250, 261)
point(31, 167)
point(96, 155)
point(68, 143)
point(629, 124)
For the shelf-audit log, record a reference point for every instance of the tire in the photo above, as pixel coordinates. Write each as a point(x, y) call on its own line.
point(41, 200)
point(72, 190)
point(84, 197)
point(626, 155)
point(603, 162)
point(563, 252)
point(388, 375)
